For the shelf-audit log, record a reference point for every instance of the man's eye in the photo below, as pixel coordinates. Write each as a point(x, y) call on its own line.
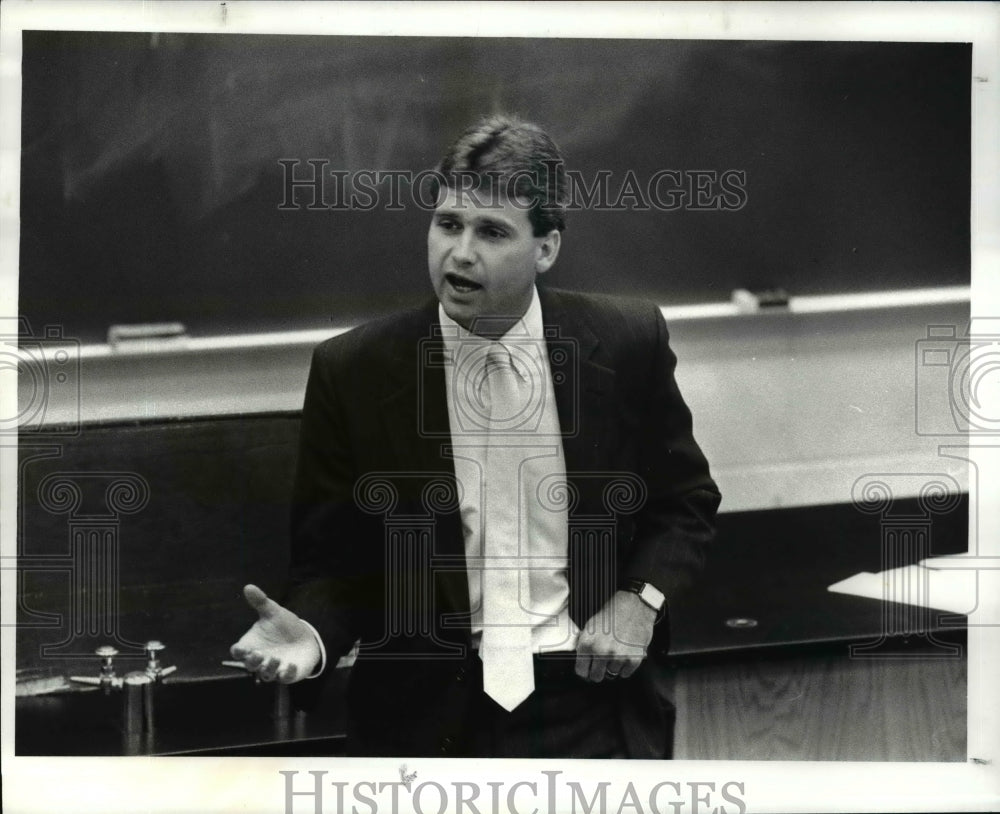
point(449, 225)
point(494, 233)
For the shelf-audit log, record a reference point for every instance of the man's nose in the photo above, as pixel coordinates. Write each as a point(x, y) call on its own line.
point(464, 251)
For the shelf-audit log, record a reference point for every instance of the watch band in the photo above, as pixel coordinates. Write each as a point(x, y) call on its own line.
point(649, 594)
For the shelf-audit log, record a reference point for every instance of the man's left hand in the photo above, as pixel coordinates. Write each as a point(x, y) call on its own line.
point(613, 643)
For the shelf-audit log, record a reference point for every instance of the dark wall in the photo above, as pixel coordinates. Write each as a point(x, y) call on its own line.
point(150, 179)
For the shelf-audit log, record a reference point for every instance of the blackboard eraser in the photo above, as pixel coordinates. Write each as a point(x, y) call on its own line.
point(146, 335)
point(749, 301)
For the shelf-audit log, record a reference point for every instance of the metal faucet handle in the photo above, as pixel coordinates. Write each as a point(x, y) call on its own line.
point(153, 668)
point(107, 678)
point(107, 653)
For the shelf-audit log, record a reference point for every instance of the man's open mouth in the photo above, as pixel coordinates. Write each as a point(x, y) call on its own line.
point(462, 284)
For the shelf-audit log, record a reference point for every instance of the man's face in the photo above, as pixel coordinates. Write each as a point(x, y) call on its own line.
point(483, 257)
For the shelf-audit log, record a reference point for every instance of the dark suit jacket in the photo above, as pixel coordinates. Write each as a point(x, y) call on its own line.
point(377, 546)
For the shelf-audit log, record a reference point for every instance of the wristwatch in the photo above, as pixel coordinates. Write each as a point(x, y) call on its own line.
point(649, 594)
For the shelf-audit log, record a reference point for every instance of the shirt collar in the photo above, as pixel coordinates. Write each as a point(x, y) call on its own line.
point(529, 326)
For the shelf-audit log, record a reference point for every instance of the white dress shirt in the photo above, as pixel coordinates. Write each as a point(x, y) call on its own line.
point(543, 522)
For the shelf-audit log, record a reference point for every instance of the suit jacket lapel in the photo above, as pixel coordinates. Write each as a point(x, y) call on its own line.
point(583, 386)
point(585, 403)
point(414, 410)
point(415, 420)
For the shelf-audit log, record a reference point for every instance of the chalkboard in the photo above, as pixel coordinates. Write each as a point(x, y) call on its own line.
point(151, 184)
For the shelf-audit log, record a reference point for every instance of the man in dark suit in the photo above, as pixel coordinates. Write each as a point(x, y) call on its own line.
point(498, 494)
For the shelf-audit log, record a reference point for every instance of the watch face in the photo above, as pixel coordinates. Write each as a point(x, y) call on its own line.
point(651, 596)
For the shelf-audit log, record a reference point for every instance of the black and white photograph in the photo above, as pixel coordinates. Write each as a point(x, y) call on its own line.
point(470, 407)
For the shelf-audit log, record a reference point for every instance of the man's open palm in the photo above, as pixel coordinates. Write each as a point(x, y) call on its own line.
point(279, 645)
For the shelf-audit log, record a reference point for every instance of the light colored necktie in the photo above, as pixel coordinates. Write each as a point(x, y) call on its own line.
point(508, 667)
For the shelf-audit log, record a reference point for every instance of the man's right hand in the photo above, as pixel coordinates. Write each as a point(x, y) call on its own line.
point(279, 646)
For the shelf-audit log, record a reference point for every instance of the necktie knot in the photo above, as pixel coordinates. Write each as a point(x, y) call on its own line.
point(498, 356)
point(506, 389)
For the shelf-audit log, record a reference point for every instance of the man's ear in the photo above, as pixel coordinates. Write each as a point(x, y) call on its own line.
point(548, 251)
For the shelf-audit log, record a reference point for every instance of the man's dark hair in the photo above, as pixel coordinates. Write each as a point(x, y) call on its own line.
point(506, 154)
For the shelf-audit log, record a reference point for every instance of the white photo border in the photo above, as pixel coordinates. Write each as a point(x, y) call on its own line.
point(207, 785)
